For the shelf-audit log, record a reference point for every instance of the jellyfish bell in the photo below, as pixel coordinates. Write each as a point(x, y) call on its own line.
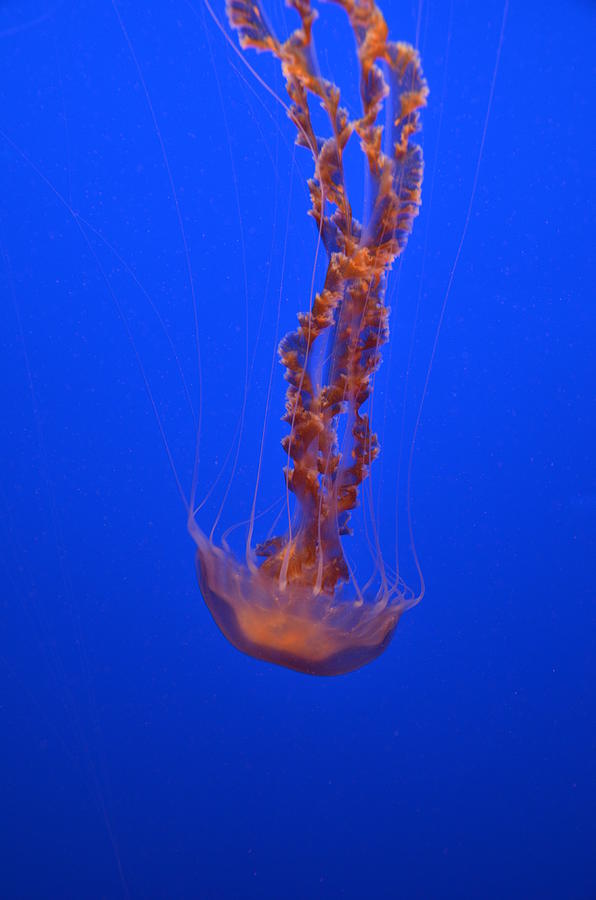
point(291, 624)
point(295, 600)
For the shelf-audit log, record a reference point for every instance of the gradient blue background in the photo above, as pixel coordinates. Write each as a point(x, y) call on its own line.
point(140, 754)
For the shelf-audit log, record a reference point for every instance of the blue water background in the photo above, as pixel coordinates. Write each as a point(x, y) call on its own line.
point(140, 754)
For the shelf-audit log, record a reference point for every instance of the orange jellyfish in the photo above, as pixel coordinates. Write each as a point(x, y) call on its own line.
point(294, 600)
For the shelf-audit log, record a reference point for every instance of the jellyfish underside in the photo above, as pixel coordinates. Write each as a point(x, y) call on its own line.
point(300, 606)
point(291, 625)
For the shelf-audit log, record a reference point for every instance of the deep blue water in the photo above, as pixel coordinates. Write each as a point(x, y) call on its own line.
point(140, 754)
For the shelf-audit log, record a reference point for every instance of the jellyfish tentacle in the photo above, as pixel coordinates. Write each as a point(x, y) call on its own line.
point(350, 309)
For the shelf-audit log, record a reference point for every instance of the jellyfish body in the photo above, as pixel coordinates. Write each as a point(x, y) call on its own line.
point(299, 606)
point(292, 625)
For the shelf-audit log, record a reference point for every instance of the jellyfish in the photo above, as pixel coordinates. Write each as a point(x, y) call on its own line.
point(294, 600)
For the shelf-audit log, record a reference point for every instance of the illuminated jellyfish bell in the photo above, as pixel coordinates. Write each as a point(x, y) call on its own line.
point(294, 600)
